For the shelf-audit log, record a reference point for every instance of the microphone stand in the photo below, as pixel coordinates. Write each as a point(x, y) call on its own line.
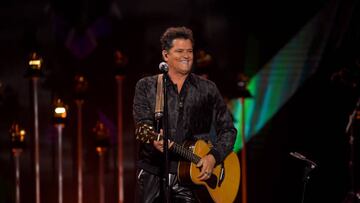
point(165, 129)
point(306, 178)
point(310, 165)
point(163, 114)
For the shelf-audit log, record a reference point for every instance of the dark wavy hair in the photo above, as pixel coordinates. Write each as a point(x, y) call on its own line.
point(172, 33)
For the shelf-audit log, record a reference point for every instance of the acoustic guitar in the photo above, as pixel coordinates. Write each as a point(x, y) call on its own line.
point(223, 184)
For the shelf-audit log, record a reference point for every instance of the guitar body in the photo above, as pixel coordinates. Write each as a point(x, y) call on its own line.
point(223, 184)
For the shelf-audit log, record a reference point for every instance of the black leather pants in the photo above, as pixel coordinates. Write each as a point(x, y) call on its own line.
point(150, 189)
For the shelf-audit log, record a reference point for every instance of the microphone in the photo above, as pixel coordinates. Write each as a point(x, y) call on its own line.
point(302, 157)
point(163, 67)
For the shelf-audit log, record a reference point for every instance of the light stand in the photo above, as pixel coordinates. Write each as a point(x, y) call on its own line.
point(17, 136)
point(242, 92)
point(120, 63)
point(306, 178)
point(60, 114)
point(102, 140)
point(80, 89)
point(34, 72)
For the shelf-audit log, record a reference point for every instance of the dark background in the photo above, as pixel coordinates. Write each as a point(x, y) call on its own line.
point(80, 37)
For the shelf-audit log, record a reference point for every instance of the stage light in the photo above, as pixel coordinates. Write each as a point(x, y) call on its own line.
point(60, 112)
point(120, 63)
point(80, 87)
point(102, 137)
point(35, 64)
point(241, 90)
point(203, 58)
point(17, 136)
point(204, 61)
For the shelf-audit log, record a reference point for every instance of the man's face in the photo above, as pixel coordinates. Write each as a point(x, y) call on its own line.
point(180, 56)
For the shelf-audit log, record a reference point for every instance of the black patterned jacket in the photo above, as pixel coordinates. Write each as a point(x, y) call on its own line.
point(198, 109)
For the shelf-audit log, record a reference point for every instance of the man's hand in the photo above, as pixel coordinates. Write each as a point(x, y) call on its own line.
point(159, 145)
point(207, 164)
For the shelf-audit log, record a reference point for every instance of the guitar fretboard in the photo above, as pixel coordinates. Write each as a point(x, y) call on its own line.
point(145, 133)
point(185, 153)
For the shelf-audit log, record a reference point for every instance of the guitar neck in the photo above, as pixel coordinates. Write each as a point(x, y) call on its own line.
point(185, 153)
point(146, 134)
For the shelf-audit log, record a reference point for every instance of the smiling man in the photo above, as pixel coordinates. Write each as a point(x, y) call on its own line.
point(194, 105)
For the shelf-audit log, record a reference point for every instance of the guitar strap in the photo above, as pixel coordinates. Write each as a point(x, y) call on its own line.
point(159, 105)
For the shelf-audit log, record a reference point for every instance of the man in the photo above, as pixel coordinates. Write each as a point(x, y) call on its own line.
point(194, 105)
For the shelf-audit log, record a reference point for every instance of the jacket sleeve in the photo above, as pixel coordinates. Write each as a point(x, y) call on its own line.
point(224, 126)
point(142, 112)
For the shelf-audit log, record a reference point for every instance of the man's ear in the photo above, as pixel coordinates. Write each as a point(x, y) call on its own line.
point(165, 55)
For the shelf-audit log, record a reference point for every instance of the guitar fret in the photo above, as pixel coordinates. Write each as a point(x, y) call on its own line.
point(187, 154)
